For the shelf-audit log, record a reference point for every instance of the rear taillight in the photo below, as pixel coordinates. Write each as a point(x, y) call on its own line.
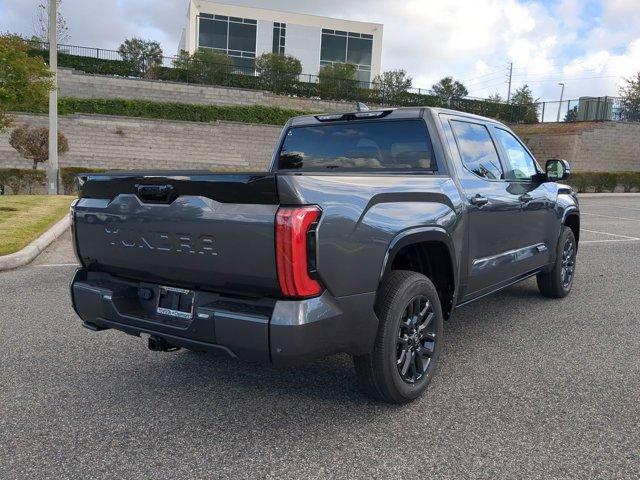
point(295, 251)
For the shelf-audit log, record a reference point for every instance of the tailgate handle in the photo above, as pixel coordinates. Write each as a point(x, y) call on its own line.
point(155, 193)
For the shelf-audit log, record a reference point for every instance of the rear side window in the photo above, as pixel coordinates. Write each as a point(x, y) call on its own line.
point(477, 150)
point(392, 145)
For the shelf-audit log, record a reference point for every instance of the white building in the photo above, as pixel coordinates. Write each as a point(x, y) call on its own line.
point(244, 33)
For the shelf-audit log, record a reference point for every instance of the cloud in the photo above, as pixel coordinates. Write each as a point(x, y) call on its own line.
point(474, 40)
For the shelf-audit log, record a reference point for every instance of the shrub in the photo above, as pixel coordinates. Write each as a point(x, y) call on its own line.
point(32, 142)
point(605, 181)
point(338, 81)
point(68, 177)
point(629, 180)
point(580, 181)
point(204, 66)
point(279, 73)
point(17, 179)
point(143, 55)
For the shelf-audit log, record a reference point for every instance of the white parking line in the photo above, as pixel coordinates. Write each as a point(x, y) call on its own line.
point(610, 217)
point(611, 241)
point(612, 234)
point(609, 205)
point(56, 265)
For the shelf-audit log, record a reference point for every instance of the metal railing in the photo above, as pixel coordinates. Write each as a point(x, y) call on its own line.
point(177, 69)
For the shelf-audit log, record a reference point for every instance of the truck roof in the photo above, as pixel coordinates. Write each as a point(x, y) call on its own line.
point(390, 112)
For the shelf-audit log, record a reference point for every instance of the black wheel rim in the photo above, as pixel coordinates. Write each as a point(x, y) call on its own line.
point(568, 263)
point(416, 339)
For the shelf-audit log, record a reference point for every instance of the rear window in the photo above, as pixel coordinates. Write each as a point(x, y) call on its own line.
point(392, 145)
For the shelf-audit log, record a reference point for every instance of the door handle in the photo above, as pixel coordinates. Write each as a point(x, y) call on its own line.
point(479, 200)
point(526, 198)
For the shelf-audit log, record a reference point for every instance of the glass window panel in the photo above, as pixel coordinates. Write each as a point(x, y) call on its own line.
point(333, 48)
point(522, 165)
point(206, 15)
point(242, 37)
point(401, 144)
point(363, 75)
point(359, 51)
point(244, 65)
point(235, 19)
point(275, 44)
point(222, 17)
point(477, 150)
point(340, 32)
point(213, 33)
point(252, 22)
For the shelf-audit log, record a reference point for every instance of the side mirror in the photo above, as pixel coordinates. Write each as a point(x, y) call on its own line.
point(557, 170)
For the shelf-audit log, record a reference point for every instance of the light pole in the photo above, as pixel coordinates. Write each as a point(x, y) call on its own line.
point(560, 104)
point(52, 171)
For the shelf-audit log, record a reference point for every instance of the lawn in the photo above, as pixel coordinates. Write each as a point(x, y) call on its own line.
point(23, 218)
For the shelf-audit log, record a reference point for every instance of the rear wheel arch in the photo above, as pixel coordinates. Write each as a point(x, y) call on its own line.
point(428, 251)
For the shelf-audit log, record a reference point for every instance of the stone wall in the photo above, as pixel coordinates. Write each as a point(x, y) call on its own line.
point(588, 146)
point(131, 143)
point(81, 85)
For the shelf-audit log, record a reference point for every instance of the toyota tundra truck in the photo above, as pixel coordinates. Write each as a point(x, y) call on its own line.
point(366, 232)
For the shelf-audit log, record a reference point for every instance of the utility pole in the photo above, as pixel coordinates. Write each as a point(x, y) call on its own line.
point(52, 171)
point(510, 78)
point(560, 104)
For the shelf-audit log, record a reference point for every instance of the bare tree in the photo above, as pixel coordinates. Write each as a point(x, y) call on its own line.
point(41, 23)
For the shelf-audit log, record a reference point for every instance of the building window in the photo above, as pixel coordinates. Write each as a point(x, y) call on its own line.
point(279, 33)
point(232, 36)
point(348, 47)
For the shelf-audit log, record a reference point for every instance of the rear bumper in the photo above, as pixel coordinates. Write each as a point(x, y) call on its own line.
point(281, 332)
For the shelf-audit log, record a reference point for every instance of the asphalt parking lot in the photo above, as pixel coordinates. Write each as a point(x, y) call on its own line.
point(527, 388)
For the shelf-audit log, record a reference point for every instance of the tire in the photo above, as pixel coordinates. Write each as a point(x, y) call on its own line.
point(419, 335)
point(558, 282)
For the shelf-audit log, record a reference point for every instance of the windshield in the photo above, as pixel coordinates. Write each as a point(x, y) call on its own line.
point(391, 144)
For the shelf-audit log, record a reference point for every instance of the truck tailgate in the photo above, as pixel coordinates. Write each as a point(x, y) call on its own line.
point(190, 229)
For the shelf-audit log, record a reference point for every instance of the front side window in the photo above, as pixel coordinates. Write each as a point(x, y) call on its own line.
point(358, 145)
point(522, 166)
point(478, 153)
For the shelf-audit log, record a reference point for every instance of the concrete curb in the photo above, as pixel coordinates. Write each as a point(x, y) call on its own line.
point(610, 194)
point(35, 248)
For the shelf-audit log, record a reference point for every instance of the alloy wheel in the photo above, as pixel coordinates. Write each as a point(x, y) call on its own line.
point(416, 339)
point(568, 263)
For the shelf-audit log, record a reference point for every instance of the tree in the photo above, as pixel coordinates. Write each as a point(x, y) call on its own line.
point(527, 106)
point(448, 89)
point(630, 93)
point(25, 81)
point(205, 66)
point(572, 114)
point(142, 54)
point(32, 142)
point(392, 84)
point(41, 26)
point(495, 98)
point(279, 72)
point(338, 81)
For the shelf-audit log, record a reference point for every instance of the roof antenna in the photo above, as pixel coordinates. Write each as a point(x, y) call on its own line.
point(361, 107)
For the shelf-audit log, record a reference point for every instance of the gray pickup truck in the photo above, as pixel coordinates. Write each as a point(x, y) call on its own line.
point(365, 234)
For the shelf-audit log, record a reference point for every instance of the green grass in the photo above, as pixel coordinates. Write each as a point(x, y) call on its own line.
point(23, 218)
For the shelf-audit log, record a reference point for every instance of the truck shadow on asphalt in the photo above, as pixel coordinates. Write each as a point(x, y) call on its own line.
point(331, 380)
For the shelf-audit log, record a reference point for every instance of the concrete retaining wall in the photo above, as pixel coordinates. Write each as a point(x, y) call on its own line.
point(131, 143)
point(588, 146)
point(81, 85)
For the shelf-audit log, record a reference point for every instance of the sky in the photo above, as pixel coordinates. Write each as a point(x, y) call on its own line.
point(590, 45)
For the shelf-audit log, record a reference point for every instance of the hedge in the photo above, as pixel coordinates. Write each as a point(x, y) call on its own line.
point(177, 111)
point(604, 181)
point(21, 180)
point(18, 179)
